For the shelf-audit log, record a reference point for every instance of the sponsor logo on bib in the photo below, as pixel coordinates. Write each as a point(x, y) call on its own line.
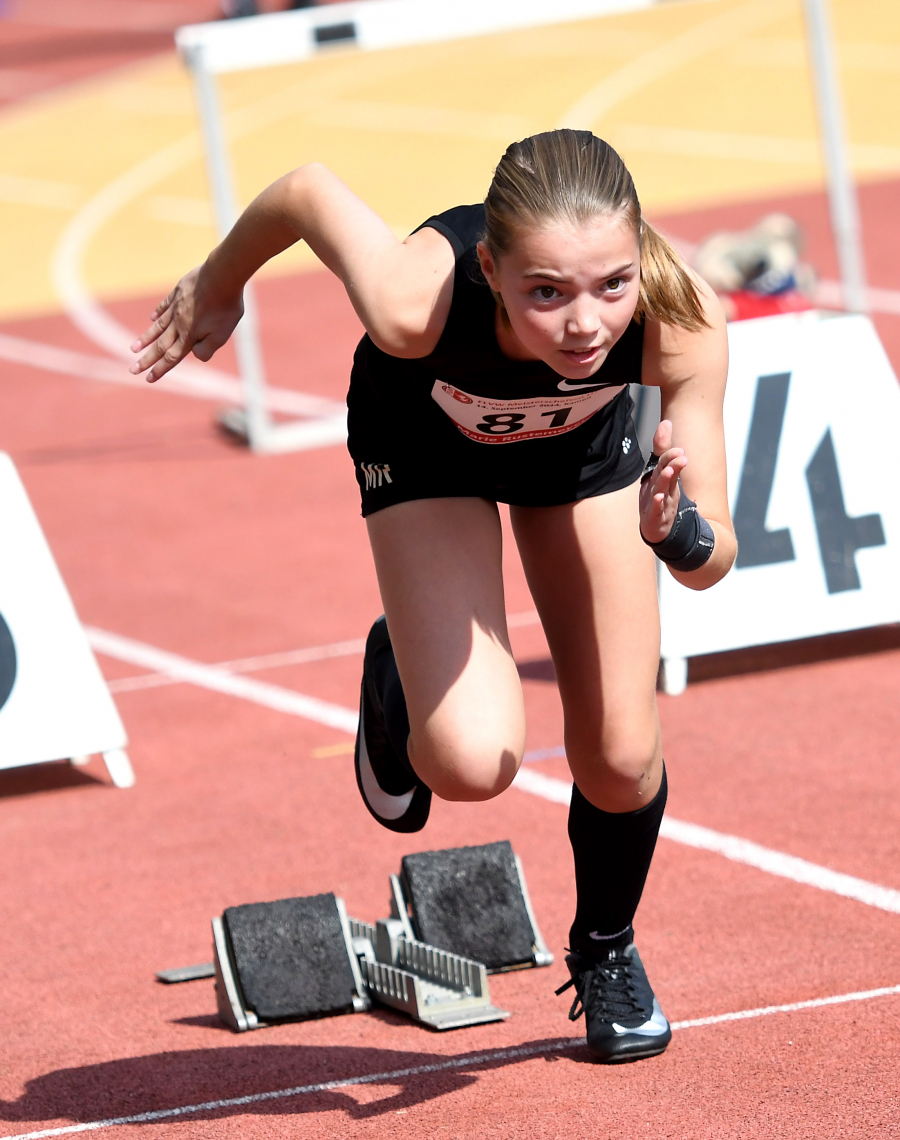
point(456, 394)
point(488, 420)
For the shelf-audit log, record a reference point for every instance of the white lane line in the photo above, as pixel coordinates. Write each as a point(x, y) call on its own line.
point(777, 863)
point(292, 657)
point(202, 382)
point(453, 1063)
point(737, 850)
point(221, 681)
point(248, 664)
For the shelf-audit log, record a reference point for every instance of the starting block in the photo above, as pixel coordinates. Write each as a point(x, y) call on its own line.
point(286, 961)
point(472, 901)
point(456, 916)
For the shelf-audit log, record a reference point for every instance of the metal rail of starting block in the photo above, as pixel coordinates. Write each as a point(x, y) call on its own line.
point(434, 987)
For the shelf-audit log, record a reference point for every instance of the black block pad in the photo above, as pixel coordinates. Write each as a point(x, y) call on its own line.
point(290, 957)
point(468, 900)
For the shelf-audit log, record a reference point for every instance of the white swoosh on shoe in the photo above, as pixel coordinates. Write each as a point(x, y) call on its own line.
point(385, 805)
point(656, 1026)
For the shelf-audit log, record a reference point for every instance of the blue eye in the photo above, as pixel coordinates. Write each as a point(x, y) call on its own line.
point(545, 292)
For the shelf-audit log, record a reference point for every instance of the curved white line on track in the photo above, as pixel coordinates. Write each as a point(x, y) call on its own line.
point(68, 257)
point(89, 316)
point(67, 263)
point(472, 1061)
point(98, 325)
point(660, 61)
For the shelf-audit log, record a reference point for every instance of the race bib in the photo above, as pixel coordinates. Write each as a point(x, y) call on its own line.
point(487, 420)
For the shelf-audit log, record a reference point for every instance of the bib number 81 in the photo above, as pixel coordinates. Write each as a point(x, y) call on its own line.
point(505, 423)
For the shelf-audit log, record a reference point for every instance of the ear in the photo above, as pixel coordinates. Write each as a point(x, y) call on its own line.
point(488, 268)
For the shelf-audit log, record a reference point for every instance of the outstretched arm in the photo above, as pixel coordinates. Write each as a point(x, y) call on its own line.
point(690, 369)
point(400, 290)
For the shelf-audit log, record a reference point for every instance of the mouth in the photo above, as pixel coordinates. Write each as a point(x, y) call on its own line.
point(582, 355)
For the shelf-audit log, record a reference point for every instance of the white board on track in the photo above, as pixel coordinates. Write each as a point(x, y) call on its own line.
point(812, 416)
point(54, 703)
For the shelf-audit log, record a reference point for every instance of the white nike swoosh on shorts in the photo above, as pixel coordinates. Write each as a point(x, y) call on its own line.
point(385, 805)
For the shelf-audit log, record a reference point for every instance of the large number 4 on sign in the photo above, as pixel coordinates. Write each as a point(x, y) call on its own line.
point(812, 412)
point(839, 535)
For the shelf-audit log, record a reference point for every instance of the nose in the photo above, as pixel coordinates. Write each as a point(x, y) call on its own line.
point(583, 318)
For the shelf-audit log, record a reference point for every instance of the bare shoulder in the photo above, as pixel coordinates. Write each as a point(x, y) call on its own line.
point(416, 295)
point(674, 356)
point(431, 250)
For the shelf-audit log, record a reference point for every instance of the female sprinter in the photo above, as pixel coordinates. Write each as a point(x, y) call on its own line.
point(500, 339)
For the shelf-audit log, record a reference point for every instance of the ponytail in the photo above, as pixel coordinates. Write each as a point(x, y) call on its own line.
point(668, 293)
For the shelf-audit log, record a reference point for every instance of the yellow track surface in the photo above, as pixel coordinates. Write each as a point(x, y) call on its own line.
point(103, 184)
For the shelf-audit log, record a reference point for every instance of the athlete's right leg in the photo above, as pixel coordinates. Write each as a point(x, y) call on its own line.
point(439, 570)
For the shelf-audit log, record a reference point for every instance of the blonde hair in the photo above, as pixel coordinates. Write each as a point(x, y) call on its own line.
point(572, 176)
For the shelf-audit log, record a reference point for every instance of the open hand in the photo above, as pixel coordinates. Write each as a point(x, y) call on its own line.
point(193, 318)
point(659, 491)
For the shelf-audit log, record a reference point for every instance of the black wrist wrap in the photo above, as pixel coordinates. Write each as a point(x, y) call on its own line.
point(690, 542)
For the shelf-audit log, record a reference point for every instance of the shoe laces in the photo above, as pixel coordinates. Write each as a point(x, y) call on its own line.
point(606, 990)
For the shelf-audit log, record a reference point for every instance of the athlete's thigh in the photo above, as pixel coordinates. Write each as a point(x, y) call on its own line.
point(439, 569)
point(594, 583)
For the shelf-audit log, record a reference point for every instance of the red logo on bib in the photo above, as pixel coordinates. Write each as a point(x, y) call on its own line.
point(457, 395)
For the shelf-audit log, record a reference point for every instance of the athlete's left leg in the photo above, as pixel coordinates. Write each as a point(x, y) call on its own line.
point(594, 583)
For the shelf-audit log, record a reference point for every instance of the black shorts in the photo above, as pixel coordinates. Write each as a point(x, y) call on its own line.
point(396, 463)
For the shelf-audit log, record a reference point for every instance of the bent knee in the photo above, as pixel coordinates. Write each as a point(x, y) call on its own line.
point(467, 774)
point(622, 775)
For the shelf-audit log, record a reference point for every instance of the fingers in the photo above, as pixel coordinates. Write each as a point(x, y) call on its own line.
point(164, 304)
point(163, 354)
point(660, 496)
point(149, 335)
point(664, 480)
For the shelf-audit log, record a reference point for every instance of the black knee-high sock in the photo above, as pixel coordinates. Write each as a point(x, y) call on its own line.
point(393, 703)
point(612, 857)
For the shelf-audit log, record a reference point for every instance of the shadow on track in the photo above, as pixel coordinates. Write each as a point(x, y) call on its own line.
point(33, 778)
point(791, 654)
point(763, 658)
point(162, 1081)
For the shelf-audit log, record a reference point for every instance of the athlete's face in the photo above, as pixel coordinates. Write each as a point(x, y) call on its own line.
point(569, 292)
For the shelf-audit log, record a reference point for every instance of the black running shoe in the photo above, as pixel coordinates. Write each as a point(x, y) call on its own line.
point(389, 790)
point(621, 1013)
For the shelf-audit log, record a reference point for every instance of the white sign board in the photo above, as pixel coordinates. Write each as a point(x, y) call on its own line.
point(54, 703)
point(812, 416)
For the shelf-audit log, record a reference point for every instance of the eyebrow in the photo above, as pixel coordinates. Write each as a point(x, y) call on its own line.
point(551, 275)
